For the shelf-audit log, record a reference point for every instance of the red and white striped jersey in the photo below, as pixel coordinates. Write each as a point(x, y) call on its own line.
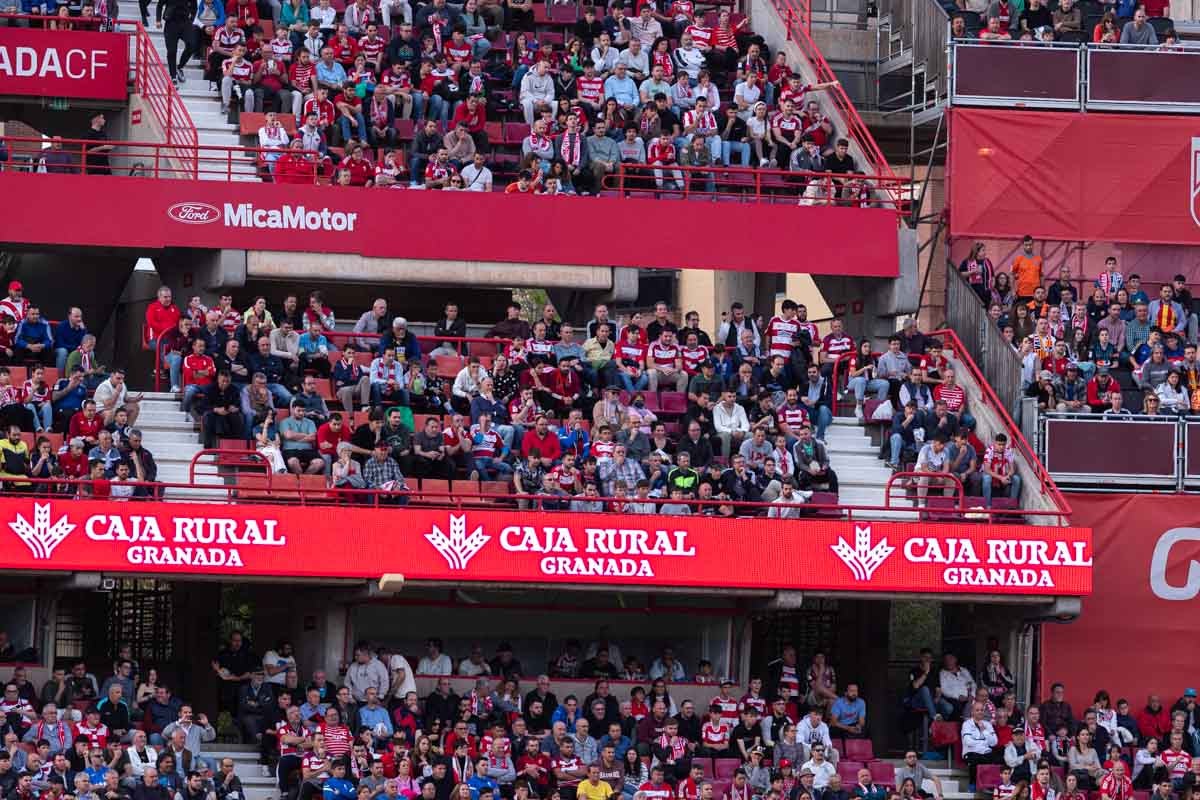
point(715, 736)
point(837, 345)
point(603, 450)
point(780, 333)
point(998, 461)
point(652, 791)
point(706, 123)
point(692, 356)
point(35, 394)
point(954, 396)
point(590, 90)
point(282, 728)
point(660, 152)
point(485, 444)
point(540, 347)
point(631, 352)
point(701, 36)
point(312, 761)
point(338, 739)
point(324, 109)
point(15, 308)
point(282, 48)
point(1178, 762)
point(661, 355)
point(729, 709)
point(96, 737)
point(397, 81)
point(239, 70)
point(371, 48)
point(1004, 791)
point(226, 38)
point(231, 318)
point(794, 416)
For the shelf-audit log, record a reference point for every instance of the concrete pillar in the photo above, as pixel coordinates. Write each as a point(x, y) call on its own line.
point(710, 292)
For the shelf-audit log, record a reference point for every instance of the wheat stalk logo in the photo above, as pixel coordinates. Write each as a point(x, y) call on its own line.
point(458, 548)
point(864, 558)
point(41, 537)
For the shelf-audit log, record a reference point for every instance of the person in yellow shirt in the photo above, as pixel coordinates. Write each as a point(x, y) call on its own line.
point(1026, 271)
point(14, 459)
point(593, 788)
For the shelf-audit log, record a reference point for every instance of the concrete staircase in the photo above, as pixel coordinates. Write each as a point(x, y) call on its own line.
point(212, 128)
point(245, 759)
point(862, 476)
point(174, 439)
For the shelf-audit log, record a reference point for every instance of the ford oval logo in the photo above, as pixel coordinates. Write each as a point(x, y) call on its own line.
point(194, 213)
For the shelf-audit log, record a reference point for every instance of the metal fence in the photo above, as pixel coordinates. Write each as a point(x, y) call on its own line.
point(924, 31)
point(998, 362)
point(1133, 451)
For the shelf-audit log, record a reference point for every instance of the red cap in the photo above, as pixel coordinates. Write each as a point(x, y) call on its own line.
point(15, 286)
point(783, 762)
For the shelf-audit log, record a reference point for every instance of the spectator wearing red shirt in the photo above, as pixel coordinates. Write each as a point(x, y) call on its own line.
point(296, 166)
point(86, 424)
point(199, 371)
point(474, 114)
point(1154, 721)
point(362, 171)
point(543, 439)
point(74, 462)
point(329, 436)
point(350, 112)
point(161, 315)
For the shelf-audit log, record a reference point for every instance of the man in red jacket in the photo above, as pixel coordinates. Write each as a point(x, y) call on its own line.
point(1154, 721)
point(295, 166)
point(161, 315)
point(544, 439)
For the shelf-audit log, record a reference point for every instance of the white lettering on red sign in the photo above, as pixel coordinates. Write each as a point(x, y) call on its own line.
point(74, 63)
point(292, 218)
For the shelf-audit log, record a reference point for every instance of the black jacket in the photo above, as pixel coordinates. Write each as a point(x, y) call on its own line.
point(443, 708)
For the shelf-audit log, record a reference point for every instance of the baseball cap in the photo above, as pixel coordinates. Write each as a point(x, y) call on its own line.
point(15, 286)
point(1046, 375)
point(783, 762)
point(1189, 692)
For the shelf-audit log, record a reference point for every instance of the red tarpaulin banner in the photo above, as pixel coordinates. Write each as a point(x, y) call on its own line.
point(471, 226)
point(530, 547)
point(82, 64)
point(1075, 177)
point(1133, 637)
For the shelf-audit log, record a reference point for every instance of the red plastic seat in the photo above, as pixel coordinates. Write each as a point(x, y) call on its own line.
point(883, 773)
point(515, 132)
point(858, 750)
point(404, 129)
point(449, 366)
point(723, 769)
point(848, 770)
point(987, 777)
point(673, 402)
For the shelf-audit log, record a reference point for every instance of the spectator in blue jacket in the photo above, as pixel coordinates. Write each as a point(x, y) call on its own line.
point(567, 713)
point(481, 782)
point(336, 786)
point(34, 340)
point(68, 335)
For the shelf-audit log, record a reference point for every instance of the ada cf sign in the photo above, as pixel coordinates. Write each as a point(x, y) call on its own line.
point(504, 546)
point(83, 64)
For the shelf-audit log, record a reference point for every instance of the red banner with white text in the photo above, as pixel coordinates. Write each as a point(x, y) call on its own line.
point(1133, 635)
point(470, 226)
point(528, 547)
point(1075, 177)
point(78, 64)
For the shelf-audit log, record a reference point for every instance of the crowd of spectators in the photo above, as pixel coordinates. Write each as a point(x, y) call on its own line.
point(367, 733)
point(1128, 22)
point(571, 421)
point(413, 95)
point(81, 412)
point(1080, 350)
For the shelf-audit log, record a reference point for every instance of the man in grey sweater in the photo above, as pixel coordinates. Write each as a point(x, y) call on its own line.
point(1138, 32)
point(604, 154)
point(893, 366)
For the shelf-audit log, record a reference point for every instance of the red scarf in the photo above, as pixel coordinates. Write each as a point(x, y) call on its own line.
point(539, 143)
point(571, 154)
point(62, 734)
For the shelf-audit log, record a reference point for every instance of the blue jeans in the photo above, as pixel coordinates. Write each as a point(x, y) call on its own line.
point(480, 48)
point(359, 122)
point(189, 394)
point(897, 443)
point(966, 420)
point(43, 415)
point(438, 109)
point(518, 74)
point(174, 364)
point(418, 109)
point(491, 468)
point(729, 148)
point(821, 417)
point(923, 698)
point(630, 385)
point(60, 359)
point(1014, 488)
point(860, 386)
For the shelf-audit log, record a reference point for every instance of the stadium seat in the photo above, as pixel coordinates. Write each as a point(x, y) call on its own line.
point(515, 132)
point(439, 488)
point(987, 777)
point(723, 768)
point(858, 750)
point(882, 772)
point(674, 403)
point(848, 770)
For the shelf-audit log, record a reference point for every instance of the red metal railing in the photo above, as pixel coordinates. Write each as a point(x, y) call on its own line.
point(143, 159)
point(288, 489)
point(797, 19)
point(744, 184)
point(149, 77)
point(954, 346)
point(162, 98)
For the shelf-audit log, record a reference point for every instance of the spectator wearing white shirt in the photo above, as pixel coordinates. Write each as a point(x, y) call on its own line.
point(537, 88)
point(434, 662)
point(401, 672)
point(978, 739)
point(957, 685)
point(822, 768)
point(476, 175)
point(731, 423)
point(272, 138)
point(812, 732)
point(277, 662)
point(367, 672)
